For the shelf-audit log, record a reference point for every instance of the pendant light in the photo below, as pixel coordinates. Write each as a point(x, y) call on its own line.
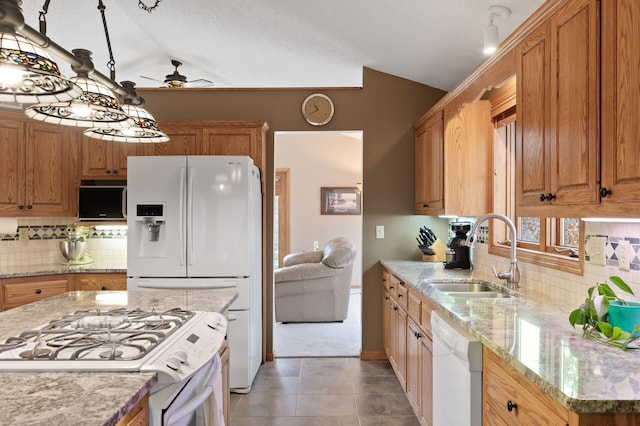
point(28, 74)
point(97, 106)
point(145, 128)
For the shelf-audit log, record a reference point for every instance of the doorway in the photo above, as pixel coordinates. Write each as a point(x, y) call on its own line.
point(305, 162)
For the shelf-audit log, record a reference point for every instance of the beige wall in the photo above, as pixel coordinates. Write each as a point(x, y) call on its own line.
point(385, 109)
point(316, 160)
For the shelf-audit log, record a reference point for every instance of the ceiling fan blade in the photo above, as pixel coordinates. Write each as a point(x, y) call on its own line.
point(200, 83)
point(152, 79)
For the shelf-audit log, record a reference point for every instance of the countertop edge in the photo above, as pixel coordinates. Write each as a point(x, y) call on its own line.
point(578, 405)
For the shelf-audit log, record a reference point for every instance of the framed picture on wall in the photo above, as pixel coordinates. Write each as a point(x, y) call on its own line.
point(340, 200)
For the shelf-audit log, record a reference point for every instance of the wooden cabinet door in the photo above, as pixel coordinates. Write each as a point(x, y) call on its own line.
point(575, 103)
point(401, 346)
point(233, 141)
point(534, 129)
point(414, 335)
point(184, 139)
point(621, 104)
point(467, 145)
point(429, 163)
point(106, 159)
point(426, 381)
point(11, 167)
point(100, 282)
point(386, 322)
point(558, 144)
point(50, 159)
point(20, 291)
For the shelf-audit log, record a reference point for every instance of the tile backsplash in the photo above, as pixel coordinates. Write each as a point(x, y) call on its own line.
point(36, 242)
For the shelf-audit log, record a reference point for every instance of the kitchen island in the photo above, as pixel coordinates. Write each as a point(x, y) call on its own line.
point(532, 334)
point(87, 398)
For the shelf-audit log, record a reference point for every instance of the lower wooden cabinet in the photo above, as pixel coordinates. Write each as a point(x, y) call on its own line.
point(100, 281)
point(226, 398)
point(23, 290)
point(138, 415)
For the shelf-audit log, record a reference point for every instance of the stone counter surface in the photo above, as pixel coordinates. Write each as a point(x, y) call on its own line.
point(532, 333)
point(87, 399)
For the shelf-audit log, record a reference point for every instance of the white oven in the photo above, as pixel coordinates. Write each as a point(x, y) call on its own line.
point(180, 346)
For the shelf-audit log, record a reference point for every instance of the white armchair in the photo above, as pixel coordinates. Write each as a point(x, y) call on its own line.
point(315, 286)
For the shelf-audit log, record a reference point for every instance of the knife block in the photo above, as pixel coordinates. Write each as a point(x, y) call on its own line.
point(440, 251)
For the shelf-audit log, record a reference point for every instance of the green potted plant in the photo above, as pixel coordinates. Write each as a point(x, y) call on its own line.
point(606, 318)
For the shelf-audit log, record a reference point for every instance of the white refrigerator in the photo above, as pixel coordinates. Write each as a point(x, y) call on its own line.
point(196, 222)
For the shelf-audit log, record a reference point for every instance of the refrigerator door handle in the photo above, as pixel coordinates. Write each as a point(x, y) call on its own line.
point(181, 217)
point(190, 252)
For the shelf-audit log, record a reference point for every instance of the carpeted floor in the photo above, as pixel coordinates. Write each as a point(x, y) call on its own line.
point(321, 339)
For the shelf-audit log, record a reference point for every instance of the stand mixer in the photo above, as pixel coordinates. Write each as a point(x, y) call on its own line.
point(75, 246)
point(458, 253)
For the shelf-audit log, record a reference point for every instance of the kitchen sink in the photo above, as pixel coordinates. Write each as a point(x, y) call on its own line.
point(467, 288)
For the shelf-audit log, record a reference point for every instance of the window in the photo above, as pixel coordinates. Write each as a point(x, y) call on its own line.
point(552, 242)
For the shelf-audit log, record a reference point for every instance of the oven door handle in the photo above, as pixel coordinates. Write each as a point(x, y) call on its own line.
point(189, 406)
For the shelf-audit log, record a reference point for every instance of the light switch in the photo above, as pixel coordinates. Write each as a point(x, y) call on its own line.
point(379, 231)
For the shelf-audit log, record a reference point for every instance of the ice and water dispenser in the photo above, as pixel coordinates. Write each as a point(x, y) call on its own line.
point(152, 218)
point(149, 235)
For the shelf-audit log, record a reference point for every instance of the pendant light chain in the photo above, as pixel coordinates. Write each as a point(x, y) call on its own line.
point(149, 9)
point(112, 63)
point(42, 18)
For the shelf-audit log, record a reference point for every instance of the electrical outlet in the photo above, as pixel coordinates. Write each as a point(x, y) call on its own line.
point(379, 231)
point(624, 255)
point(596, 250)
point(23, 234)
point(315, 246)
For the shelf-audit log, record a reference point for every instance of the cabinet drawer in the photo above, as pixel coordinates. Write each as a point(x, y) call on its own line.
point(414, 305)
point(386, 279)
point(403, 296)
point(502, 385)
point(97, 282)
point(26, 290)
point(394, 284)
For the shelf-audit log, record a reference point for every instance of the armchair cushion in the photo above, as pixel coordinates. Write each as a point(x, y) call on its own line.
point(304, 257)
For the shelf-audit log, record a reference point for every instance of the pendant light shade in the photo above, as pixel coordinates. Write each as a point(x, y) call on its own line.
point(28, 74)
point(97, 105)
point(145, 128)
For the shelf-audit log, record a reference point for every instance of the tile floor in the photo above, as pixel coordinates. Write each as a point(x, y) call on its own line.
point(323, 391)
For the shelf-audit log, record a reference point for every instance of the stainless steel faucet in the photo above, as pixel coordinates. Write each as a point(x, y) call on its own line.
point(512, 276)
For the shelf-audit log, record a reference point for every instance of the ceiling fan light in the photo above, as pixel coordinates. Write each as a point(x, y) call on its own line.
point(97, 106)
point(28, 74)
point(145, 129)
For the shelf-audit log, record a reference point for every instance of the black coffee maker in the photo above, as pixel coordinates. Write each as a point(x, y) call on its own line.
point(458, 253)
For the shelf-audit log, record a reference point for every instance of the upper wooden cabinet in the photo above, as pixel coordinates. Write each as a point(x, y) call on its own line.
point(429, 165)
point(38, 169)
point(212, 138)
point(467, 147)
point(557, 154)
point(620, 105)
point(106, 159)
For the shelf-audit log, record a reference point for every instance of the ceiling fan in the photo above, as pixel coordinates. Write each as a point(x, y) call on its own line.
point(175, 79)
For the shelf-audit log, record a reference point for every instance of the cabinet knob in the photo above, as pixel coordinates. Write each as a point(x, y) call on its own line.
point(108, 172)
point(417, 335)
point(391, 287)
point(104, 287)
point(604, 192)
point(395, 308)
point(386, 298)
point(511, 406)
point(115, 172)
point(425, 205)
point(29, 207)
point(399, 295)
point(547, 197)
point(38, 291)
point(21, 207)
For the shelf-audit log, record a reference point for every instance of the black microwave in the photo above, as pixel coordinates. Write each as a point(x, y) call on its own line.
point(103, 201)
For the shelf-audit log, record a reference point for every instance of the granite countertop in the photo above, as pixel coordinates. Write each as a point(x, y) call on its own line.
point(87, 399)
point(96, 266)
point(532, 333)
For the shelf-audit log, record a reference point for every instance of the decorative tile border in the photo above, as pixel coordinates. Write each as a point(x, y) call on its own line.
point(58, 232)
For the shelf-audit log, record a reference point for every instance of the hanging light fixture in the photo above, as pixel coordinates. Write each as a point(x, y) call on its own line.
point(145, 128)
point(97, 106)
point(491, 36)
point(28, 74)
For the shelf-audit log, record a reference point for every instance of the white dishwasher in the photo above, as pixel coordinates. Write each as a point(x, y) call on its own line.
point(457, 375)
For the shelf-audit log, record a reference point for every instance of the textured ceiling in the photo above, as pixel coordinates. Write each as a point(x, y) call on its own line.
point(281, 43)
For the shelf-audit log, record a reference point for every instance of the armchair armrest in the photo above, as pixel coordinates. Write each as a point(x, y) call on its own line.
point(309, 271)
point(304, 257)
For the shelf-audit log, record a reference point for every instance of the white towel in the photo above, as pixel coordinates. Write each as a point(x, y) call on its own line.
point(213, 406)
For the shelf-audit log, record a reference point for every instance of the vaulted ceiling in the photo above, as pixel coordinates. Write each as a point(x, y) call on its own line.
point(281, 43)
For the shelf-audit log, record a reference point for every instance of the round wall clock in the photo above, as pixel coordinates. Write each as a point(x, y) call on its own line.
point(317, 109)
